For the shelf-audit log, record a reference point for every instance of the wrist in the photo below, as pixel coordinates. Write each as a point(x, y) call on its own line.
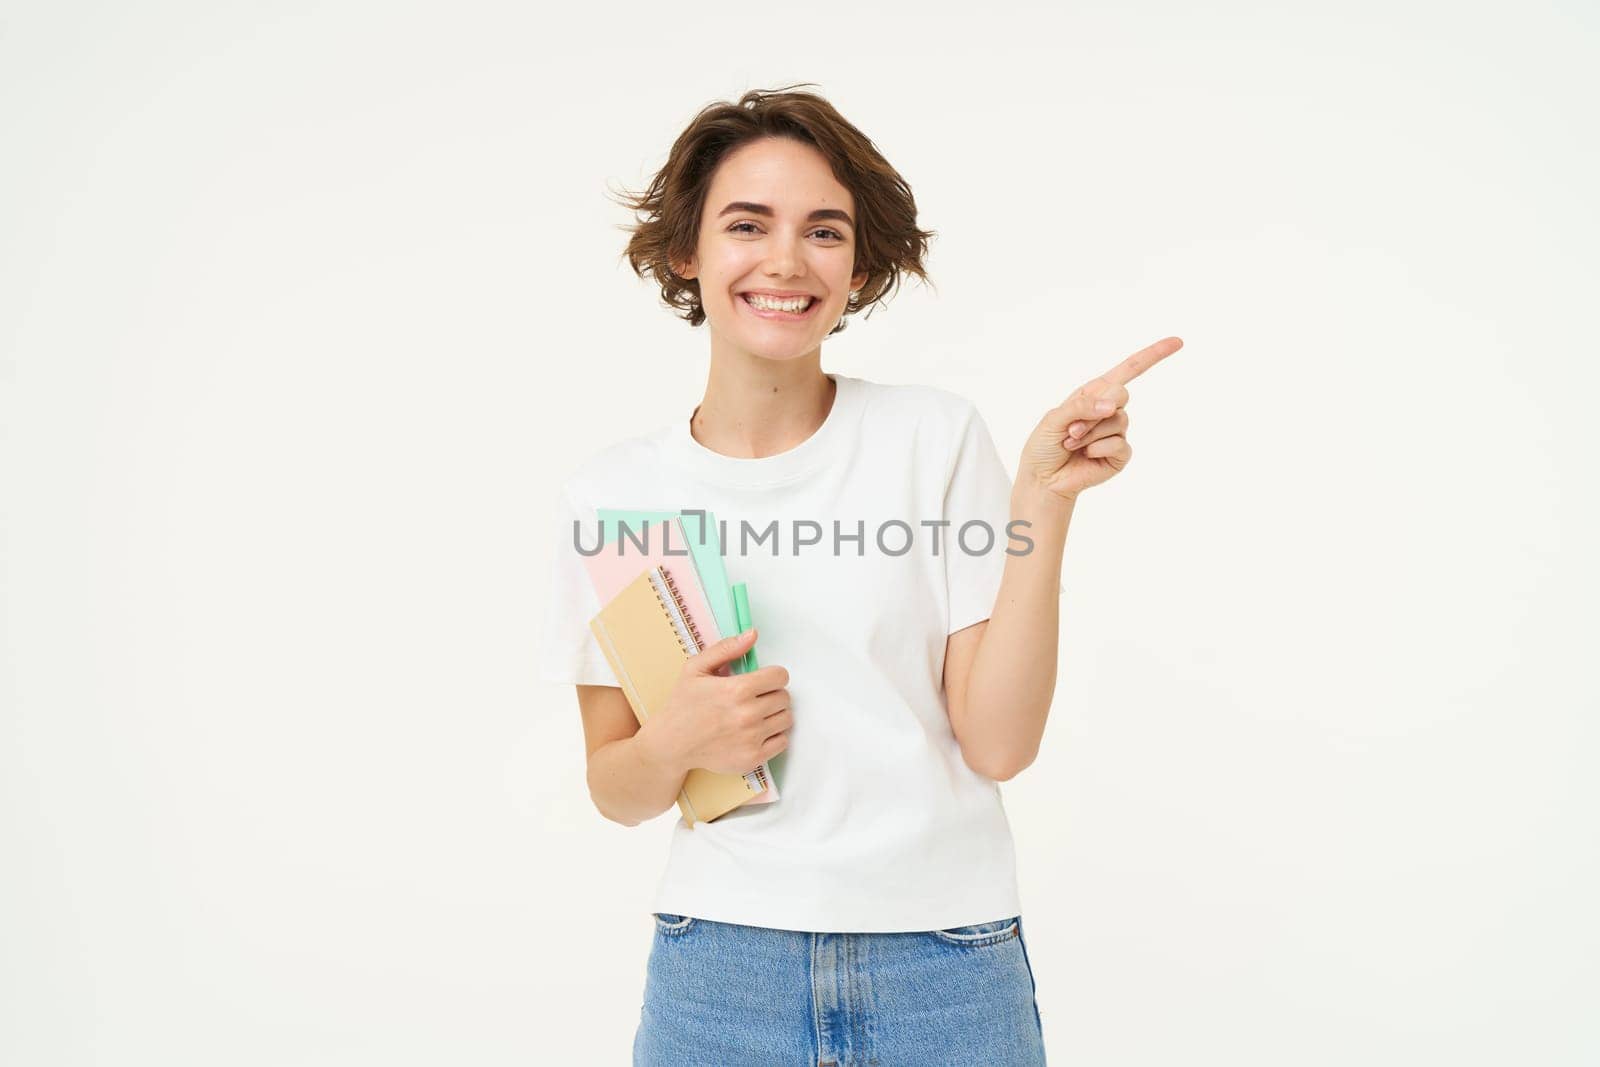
point(1029, 499)
point(658, 746)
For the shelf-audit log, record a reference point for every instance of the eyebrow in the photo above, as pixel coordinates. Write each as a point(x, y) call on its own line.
point(762, 209)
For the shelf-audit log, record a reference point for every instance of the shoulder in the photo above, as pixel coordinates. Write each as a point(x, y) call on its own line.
point(930, 429)
point(935, 426)
point(925, 406)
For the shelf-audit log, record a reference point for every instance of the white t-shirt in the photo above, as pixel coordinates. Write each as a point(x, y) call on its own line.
point(880, 824)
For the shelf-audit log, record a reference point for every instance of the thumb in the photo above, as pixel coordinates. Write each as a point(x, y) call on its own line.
point(724, 651)
point(1084, 404)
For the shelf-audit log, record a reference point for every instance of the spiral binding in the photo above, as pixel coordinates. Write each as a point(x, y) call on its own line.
point(677, 610)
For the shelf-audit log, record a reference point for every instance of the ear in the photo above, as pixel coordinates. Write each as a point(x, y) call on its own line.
point(858, 280)
point(686, 270)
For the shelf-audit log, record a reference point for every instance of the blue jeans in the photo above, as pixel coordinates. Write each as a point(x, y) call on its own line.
point(720, 993)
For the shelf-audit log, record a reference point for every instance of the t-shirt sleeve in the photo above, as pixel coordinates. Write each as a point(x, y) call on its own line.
point(979, 490)
point(568, 650)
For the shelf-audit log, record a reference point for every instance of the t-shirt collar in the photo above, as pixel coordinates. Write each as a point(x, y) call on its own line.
point(803, 458)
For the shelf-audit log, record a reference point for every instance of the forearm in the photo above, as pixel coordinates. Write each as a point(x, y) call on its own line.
point(635, 779)
point(1013, 675)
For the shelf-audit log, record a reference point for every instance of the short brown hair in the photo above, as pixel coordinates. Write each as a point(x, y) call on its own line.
point(888, 242)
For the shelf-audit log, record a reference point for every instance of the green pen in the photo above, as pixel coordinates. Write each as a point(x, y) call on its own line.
point(741, 611)
point(747, 663)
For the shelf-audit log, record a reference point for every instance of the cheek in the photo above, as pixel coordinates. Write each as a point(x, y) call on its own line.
point(840, 268)
point(719, 273)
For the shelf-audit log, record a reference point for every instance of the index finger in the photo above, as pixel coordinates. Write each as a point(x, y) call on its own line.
point(1142, 360)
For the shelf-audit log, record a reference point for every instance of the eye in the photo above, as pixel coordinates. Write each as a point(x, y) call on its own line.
point(736, 228)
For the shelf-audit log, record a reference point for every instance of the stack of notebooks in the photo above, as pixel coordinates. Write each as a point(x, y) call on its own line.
point(666, 596)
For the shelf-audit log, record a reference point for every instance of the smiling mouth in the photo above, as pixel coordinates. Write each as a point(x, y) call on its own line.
point(780, 312)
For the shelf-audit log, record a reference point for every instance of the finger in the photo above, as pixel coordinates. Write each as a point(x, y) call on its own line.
point(770, 704)
point(1077, 431)
point(1115, 449)
point(1106, 427)
point(1142, 360)
point(764, 680)
point(715, 655)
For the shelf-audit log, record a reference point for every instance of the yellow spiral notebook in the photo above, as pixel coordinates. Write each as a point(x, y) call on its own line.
point(646, 635)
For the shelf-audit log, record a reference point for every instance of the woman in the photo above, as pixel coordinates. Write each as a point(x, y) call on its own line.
point(905, 594)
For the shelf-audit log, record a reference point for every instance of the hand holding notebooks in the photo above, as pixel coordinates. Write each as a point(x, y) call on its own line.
point(646, 634)
point(686, 546)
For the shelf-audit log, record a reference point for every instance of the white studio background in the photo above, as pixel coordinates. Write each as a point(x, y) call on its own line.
point(305, 310)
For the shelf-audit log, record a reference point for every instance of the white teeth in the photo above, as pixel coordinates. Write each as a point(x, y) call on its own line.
point(766, 303)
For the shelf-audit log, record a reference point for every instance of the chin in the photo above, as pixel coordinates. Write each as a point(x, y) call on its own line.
point(782, 355)
point(776, 346)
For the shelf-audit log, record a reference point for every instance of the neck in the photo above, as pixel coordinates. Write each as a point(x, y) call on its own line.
point(756, 407)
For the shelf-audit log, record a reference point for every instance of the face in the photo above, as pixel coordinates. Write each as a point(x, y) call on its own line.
point(777, 222)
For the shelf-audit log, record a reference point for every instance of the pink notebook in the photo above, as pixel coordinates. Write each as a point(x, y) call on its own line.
point(610, 573)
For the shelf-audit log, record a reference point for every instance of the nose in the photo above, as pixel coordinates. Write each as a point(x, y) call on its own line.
point(784, 259)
